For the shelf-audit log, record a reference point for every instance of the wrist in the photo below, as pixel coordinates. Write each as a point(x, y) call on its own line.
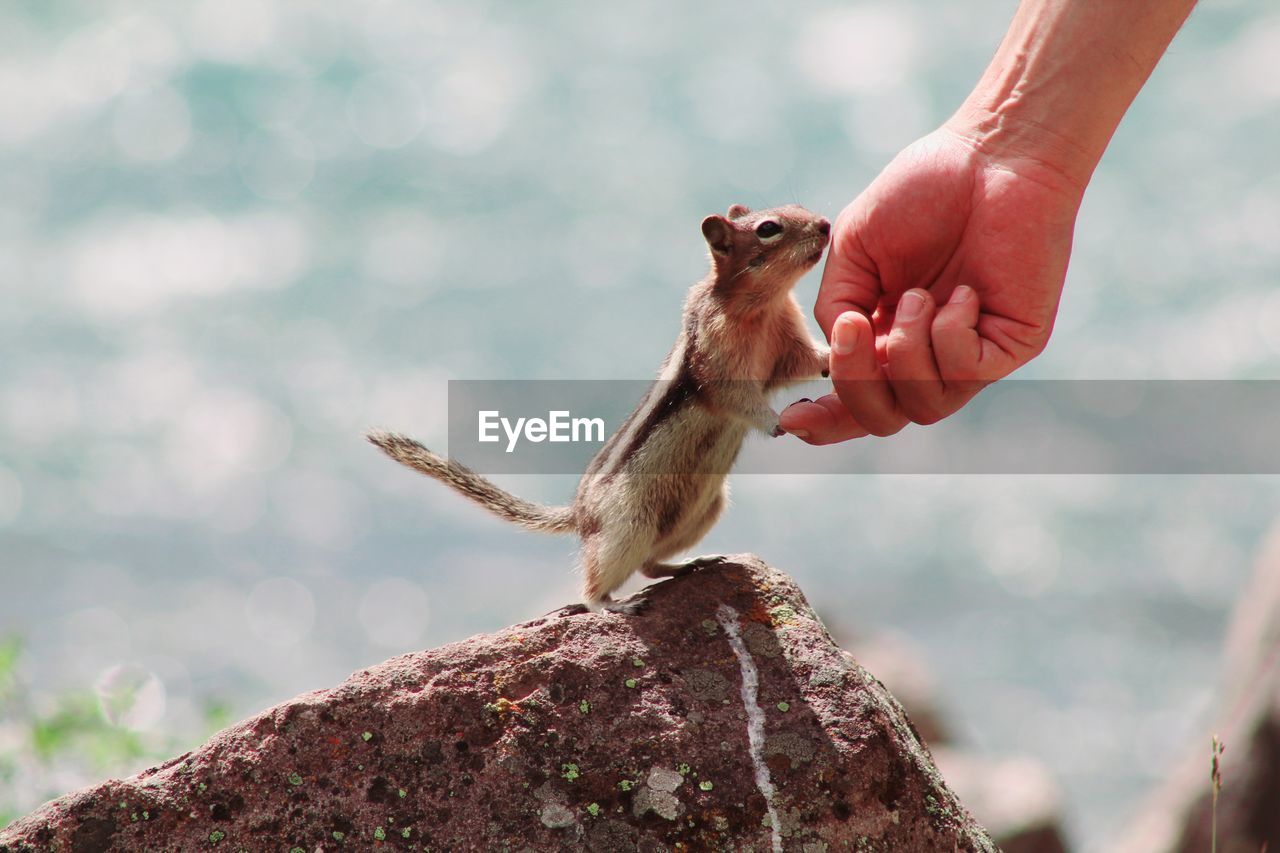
point(1063, 78)
point(1026, 144)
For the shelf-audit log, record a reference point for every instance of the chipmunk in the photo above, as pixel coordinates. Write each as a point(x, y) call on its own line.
point(659, 483)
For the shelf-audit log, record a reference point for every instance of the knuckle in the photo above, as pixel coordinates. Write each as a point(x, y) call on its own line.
point(902, 342)
point(923, 411)
point(950, 322)
point(826, 311)
point(946, 324)
point(929, 415)
point(883, 428)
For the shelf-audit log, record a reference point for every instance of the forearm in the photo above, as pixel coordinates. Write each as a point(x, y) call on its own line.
point(1063, 78)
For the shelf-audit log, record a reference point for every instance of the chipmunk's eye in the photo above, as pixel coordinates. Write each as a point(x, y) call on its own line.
point(769, 230)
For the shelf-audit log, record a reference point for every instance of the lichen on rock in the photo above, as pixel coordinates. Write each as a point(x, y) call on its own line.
point(492, 743)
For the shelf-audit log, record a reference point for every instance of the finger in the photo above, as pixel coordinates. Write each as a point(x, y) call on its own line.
point(858, 379)
point(957, 348)
point(850, 279)
point(956, 344)
point(910, 363)
point(821, 421)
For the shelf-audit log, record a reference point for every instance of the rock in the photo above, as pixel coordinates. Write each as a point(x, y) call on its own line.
point(1178, 816)
point(722, 718)
point(1015, 797)
point(904, 670)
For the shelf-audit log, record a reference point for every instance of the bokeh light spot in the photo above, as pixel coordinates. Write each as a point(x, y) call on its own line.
point(394, 613)
point(131, 697)
point(280, 611)
point(386, 109)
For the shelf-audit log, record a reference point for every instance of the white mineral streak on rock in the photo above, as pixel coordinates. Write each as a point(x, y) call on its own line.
point(728, 618)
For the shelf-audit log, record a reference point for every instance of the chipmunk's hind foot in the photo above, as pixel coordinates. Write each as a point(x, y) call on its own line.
point(706, 561)
point(633, 606)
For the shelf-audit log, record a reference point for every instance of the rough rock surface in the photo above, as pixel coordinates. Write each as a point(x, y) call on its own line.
point(1014, 796)
point(722, 718)
point(904, 669)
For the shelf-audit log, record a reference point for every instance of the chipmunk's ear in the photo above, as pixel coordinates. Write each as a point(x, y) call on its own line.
point(719, 234)
point(737, 211)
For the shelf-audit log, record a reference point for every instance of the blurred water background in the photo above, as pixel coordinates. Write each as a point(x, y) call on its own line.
point(234, 233)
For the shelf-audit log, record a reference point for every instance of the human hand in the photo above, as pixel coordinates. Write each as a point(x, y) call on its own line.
point(944, 275)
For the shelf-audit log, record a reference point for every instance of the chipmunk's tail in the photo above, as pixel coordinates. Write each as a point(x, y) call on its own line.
point(406, 451)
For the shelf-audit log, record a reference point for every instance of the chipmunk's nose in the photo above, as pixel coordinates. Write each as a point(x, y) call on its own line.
point(824, 227)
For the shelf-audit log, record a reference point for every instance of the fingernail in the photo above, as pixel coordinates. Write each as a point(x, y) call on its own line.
point(844, 335)
point(963, 293)
point(910, 305)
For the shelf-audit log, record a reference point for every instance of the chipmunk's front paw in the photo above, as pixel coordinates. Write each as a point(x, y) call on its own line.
point(777, 431)
point(824, 359)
